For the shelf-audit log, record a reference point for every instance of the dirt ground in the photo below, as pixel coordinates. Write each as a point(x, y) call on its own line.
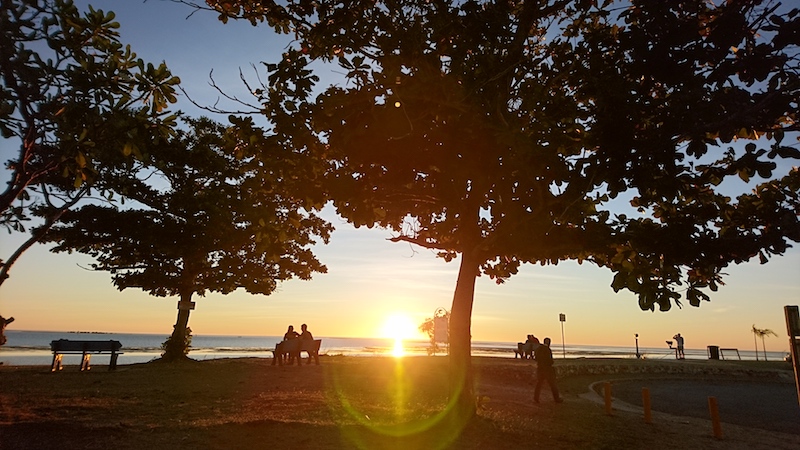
point(344, 403)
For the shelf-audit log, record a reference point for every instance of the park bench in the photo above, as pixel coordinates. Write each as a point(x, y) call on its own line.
point(286, 351)
point(524, 350)
point(63, 347)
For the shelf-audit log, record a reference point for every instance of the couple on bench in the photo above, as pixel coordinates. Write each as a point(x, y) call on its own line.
point(293, 343)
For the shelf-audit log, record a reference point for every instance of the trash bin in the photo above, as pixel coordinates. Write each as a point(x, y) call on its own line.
point(713, 352)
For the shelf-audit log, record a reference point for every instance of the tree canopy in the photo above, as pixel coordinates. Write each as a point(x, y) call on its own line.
point(74, 101)
point(509, 132)
point(213, 210)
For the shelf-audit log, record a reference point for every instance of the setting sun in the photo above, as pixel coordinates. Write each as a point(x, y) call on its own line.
point(398, 326)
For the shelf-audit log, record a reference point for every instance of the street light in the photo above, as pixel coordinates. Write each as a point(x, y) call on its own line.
point(563, 318)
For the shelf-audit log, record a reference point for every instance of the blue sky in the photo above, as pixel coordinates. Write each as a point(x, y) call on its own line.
point(369, 278)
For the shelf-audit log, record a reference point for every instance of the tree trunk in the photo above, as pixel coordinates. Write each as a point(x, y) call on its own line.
point(764, 346)
point(462, 396)
point(755, 341)
point(177, 344)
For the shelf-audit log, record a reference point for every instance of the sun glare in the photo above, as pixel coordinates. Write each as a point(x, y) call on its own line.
point(398, 326)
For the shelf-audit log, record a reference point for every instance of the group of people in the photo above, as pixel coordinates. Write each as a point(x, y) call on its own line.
point(292, 334)
point(291, 352)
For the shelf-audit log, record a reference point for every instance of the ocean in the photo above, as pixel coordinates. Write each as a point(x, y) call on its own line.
point(33, 348)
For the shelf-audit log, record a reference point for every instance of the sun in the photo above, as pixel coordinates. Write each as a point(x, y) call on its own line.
point(398, 326)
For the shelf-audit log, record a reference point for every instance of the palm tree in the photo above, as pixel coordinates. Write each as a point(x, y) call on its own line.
point(755, 339)
point(762, 333)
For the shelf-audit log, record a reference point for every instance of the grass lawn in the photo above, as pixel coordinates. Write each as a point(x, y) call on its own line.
point(354, 403)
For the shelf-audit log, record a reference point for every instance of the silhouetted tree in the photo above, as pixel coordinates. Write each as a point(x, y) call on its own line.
point(429, 328)
point(762, 333)
point(75, 101)
point(501, 132)
point(218, 209)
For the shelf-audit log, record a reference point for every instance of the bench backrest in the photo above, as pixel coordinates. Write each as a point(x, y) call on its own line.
point(66, 345)
point(525, 347)
point(299, 345)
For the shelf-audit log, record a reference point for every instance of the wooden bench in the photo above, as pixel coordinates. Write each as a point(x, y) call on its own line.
point(62, 347)
point(288, 351)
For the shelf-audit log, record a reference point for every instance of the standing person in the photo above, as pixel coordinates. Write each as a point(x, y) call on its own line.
point(545, 371)
point(679, 343)
point(3, 323)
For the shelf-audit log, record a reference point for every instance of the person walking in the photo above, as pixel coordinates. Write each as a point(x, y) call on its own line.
point(545, 371)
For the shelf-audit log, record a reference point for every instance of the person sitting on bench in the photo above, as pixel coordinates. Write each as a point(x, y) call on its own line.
point(306, 335)
point(288, 336)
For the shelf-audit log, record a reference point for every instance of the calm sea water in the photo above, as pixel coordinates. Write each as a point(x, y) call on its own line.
point(33, 348)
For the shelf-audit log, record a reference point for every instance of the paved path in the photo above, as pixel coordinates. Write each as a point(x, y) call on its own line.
point(759, 404)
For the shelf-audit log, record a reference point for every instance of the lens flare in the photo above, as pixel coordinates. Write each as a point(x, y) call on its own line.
point(400, 426)
point(398, 351)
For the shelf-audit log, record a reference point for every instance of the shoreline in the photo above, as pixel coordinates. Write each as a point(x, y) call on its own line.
point(33, 348)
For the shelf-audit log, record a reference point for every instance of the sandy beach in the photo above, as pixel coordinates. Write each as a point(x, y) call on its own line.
point(388, 403)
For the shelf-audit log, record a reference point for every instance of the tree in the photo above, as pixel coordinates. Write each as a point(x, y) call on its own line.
point(762, 333)
point(429, 328)
point(511, 132)
point(218, 209)
point(75, 100)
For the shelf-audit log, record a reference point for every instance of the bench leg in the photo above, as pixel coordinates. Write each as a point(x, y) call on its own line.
point(112, 365)
point(56, 364)
point(85, 361)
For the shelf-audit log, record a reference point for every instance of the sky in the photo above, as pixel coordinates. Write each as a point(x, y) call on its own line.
point(373, 286)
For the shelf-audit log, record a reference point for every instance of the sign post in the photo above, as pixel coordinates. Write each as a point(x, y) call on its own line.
point(793, 329)
point(563, 318)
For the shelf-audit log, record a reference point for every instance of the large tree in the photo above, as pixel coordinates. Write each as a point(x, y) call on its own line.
point(218, 208)
point(506, 132)
point(73, 101)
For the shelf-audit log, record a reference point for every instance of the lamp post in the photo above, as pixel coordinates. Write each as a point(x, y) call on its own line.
point(637, 346)
point(563, 318)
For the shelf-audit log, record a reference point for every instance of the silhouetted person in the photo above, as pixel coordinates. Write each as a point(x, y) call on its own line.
point(679, 346)
point(290, 334)
point(3, 323)
point(305, 334)
point(545, 371)
point(294, 350)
